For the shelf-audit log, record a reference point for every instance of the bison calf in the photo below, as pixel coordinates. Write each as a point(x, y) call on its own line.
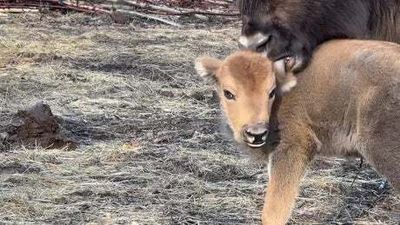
point(346, 102)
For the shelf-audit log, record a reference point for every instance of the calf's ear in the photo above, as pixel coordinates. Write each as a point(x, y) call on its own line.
point(283, 71)
point(207, 67)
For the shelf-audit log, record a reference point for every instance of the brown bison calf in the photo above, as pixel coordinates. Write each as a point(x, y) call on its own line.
point(346, 102)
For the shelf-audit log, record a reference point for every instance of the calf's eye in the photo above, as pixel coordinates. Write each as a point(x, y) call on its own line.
point(272, 93)
point(229, 95)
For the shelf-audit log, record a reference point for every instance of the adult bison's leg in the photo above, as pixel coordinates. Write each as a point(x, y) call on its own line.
point(286, 169)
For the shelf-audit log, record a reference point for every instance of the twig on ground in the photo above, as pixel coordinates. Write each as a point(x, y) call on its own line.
point(52, 4)
point(172, 11)
point(125, 8)
point(12, 10)
point(133, 13)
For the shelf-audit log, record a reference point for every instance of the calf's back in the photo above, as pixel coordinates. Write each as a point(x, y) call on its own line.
point(349, 99)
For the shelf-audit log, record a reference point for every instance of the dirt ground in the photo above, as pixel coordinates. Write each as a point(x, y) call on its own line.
point(151, 150)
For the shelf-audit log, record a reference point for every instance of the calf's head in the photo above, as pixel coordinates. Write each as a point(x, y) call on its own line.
point(248, 84)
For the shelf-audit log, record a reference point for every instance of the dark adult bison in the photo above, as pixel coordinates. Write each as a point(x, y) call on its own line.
point(282, 28)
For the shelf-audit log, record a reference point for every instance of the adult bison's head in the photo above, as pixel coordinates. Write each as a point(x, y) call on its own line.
point(282, 28)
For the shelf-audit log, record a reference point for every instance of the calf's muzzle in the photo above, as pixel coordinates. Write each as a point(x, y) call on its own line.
point(255, 135)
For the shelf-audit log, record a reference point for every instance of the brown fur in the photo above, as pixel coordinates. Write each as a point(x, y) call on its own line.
point(347, 101)
point(297, 27)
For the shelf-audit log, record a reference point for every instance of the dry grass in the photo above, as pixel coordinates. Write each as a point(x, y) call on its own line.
point(151, 151)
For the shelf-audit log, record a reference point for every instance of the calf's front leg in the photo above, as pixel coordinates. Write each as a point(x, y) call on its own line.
point(286, 170)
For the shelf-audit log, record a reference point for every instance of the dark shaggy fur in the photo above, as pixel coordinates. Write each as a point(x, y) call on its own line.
point(296, 27)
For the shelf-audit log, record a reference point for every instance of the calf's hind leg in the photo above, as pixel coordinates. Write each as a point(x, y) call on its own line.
point(382, 139)
point(384, 156)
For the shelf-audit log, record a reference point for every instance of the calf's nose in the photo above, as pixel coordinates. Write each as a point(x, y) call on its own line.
point(255, 135)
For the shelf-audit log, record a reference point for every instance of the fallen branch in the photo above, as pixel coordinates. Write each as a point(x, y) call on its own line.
point(172, 11)
point(133, 13)
point(17, 10)
point(52, 4)
point(146, 6)
point(83, 8)
point(220, 3)
point(126, 8)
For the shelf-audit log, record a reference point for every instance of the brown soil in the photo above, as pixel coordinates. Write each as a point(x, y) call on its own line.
point(35, 126)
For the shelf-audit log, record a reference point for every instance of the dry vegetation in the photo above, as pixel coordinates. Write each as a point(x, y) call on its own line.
point(150, 149)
